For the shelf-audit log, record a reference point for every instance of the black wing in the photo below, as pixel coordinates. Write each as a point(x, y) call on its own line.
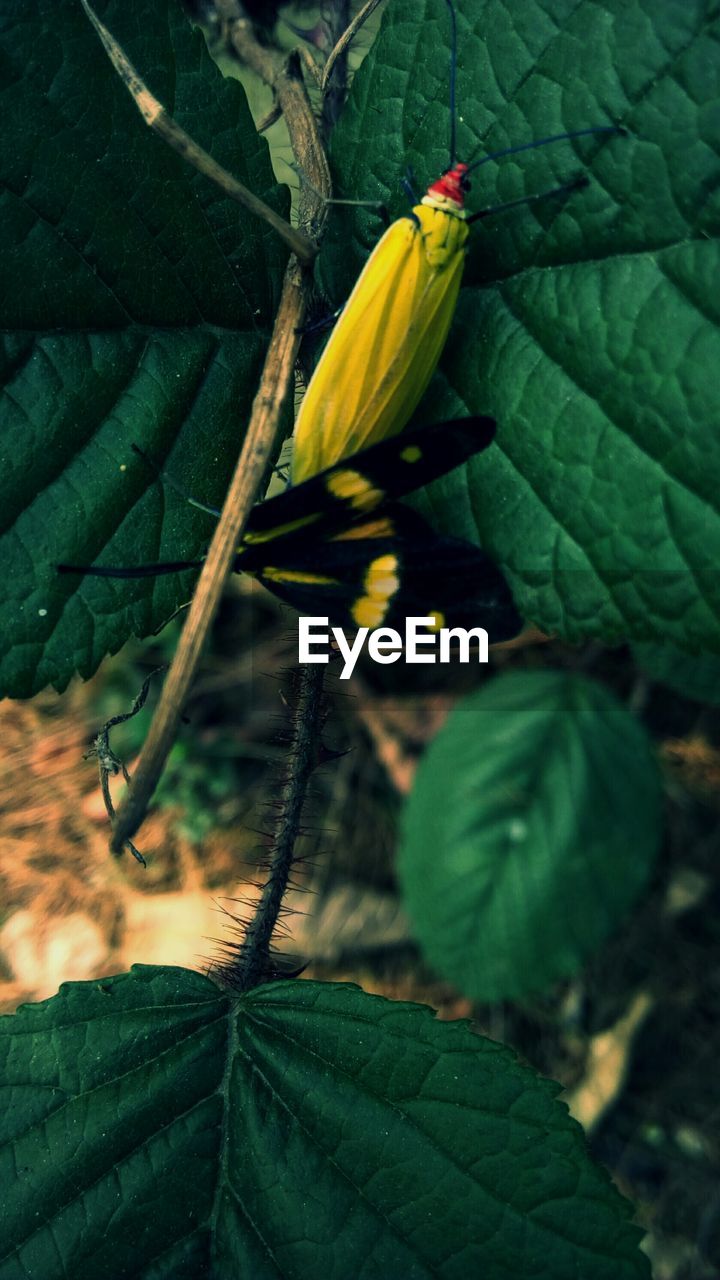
point(381, 570)
point(360, 484)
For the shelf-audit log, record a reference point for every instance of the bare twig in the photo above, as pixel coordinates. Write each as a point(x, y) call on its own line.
point(110, 764)
point(270, 118)
point(334, 89)
point(158, 119)
point(250, 470)
point(255, 455)
point(350, 31)
point(309, 64)
point(249, 962)
point(284, 77)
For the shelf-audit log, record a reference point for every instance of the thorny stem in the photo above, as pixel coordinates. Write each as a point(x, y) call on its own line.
point(249, 963)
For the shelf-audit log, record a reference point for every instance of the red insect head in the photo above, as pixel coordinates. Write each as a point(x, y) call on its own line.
point(451, 186)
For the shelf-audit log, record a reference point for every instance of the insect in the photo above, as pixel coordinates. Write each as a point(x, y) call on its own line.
point(341, 545)
point(391, 332)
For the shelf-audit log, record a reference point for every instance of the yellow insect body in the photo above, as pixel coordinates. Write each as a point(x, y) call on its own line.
point(388, 340)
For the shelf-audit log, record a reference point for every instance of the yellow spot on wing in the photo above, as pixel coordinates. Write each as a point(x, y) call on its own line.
point(296, 575)
point(381, 584)
point(411, 454)
point(354, 488)
point(383, 527)
point(281, 529)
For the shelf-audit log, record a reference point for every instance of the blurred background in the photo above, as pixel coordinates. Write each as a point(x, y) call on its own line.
point(634, 1038)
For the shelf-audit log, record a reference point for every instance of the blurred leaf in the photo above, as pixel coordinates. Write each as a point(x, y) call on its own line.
point(158, 1128)
point(693, 676)
point(137, 304)
point(588, 325)
point(531, 830)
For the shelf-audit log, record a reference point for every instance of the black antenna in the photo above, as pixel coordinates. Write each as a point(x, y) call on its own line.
point(453, 76)
point(576, 184)
point(544, 142)
point(136, 571)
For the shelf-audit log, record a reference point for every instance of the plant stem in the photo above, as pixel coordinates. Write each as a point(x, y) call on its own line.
point(284, 77)
point(346, 38)
point(249, 962)
point(256, 453)
point(251, 467)
point(157, 118)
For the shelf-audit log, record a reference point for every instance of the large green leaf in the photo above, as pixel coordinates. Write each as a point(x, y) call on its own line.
point(694, 677)
point(136, 308)
point(588, 326)
point(152, 1127)
point(531, 830)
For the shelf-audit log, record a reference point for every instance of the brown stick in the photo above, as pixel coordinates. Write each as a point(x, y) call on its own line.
point(255, 454)
point(158, 119)
point(251, 468)
point(350, 31)
point(284, 77)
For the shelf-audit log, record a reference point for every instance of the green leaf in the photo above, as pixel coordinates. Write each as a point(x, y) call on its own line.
point(588, 325)
point(156, 1128)
point(693, 677)
point(530, 832)
point(137, 304)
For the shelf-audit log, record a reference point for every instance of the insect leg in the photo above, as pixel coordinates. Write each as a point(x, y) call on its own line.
point(408, 186)
point(173, 484)
point(325, 322)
